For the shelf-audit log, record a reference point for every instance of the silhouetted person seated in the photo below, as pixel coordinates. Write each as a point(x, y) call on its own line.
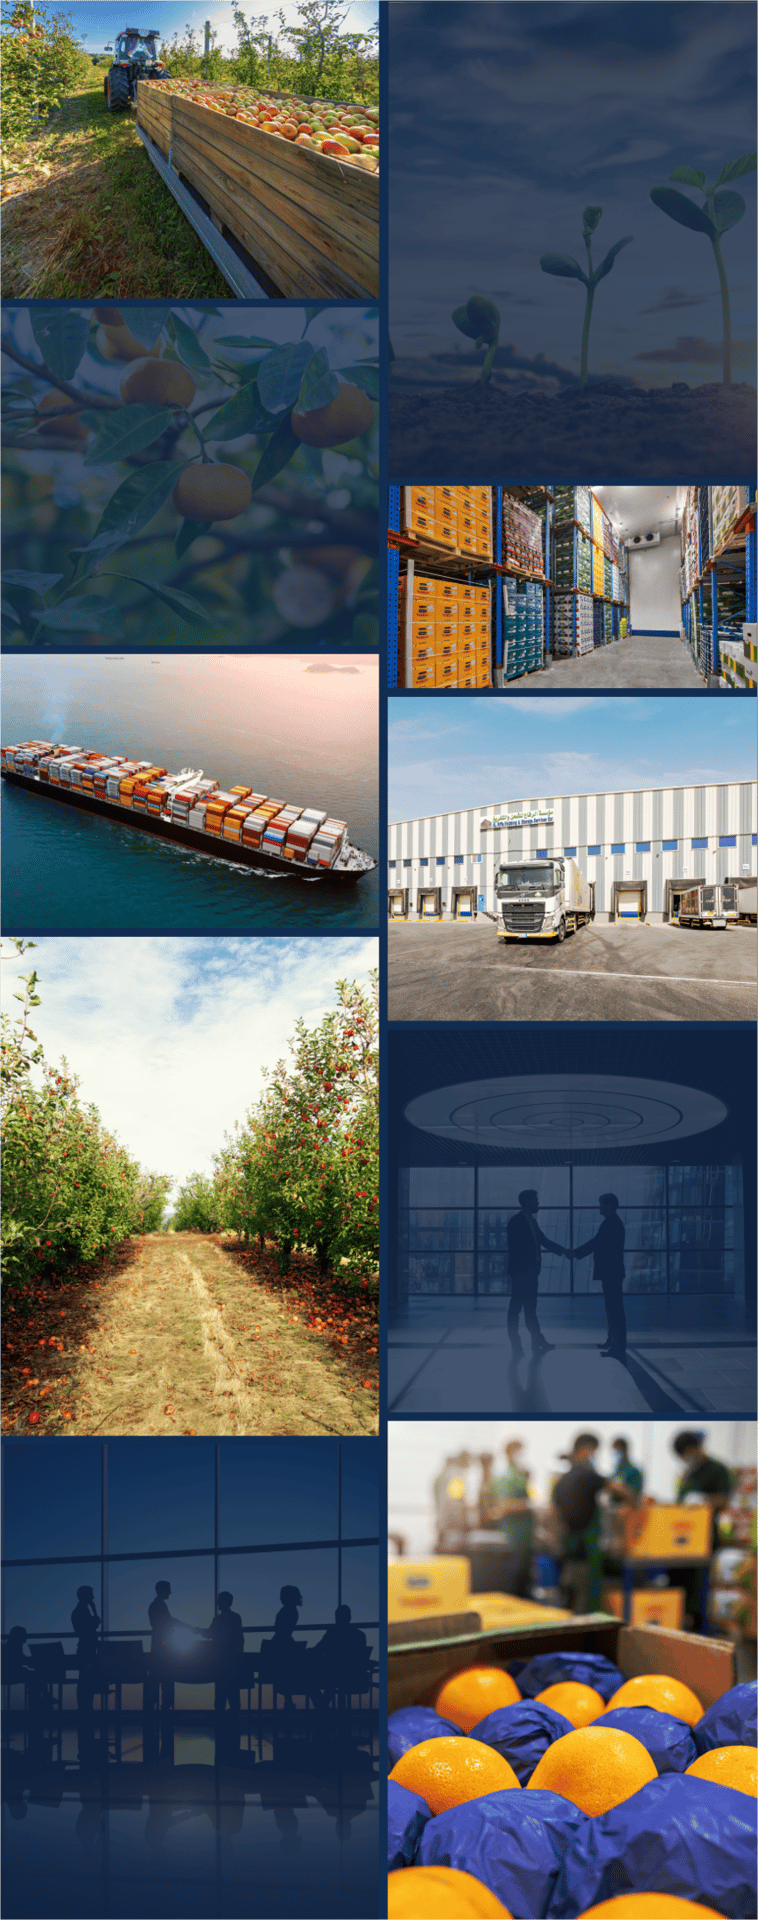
point(341, 1659)
point(282, 1659)
point(17, 1668)
point(85, 1621)
point(607, 1246)
point(228, 1645)
point(164, 1654)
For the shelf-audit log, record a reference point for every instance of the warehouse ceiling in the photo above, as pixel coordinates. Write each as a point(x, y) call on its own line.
point(643, 509)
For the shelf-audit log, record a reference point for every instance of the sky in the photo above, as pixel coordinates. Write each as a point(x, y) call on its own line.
point(101, 23)
point(417, 1451)
point(169, 1037)
point(450, 752)
point(506, 120)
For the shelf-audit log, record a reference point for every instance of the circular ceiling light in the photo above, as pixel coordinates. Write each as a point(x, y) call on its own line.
point(575, 1111)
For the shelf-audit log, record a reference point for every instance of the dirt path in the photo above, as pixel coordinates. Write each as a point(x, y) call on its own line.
point(87, 216)
point(187, 1341)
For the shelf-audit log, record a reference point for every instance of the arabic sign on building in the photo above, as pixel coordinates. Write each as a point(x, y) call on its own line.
point(533, 817)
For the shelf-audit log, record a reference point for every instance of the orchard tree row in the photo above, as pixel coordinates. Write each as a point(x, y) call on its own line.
point(302, 1172)
point(70, 1192)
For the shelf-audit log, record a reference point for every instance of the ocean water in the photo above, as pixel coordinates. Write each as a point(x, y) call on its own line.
point(281, 724)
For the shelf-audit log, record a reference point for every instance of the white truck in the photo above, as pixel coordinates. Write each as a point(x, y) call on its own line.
point(542, 899)
point(709, 906)
point(746, 902)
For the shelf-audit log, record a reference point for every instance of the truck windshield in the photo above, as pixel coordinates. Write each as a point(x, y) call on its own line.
point(544, 878)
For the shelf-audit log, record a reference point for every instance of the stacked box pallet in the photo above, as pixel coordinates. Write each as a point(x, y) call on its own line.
point(607, 542)
point(727, 503)
point(607, 621)
point(607, 579)
point(522, 536)
point(597, 569)
point(704, 518)
point(598, 626)
point(429, 515)
point(474, 510)
point(690, 529)
point(616, 593)
point(584, 623)
point(573, 503)
point(450, 632)
point(311, 221)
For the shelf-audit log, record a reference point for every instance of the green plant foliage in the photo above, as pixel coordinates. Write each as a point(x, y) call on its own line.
point(197, 1209)
point(564, 267)
point(719, 212)
point(479, 319)
point(42, 62)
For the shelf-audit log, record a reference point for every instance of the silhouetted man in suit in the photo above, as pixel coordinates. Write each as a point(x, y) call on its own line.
point(85, 1621)
point(608, 1249)
point(228, 1641)
point(525, 1243)
point(162, 1651)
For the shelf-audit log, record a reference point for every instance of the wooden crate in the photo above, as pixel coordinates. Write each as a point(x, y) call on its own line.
point(311, 222)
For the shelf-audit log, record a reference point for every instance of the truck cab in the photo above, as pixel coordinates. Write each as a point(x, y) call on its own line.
point(541, 899)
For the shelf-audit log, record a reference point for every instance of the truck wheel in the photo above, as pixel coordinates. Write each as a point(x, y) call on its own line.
point(117, 90)
point(561, 930)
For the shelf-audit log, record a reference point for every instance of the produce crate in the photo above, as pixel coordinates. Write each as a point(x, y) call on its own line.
point(310, 221)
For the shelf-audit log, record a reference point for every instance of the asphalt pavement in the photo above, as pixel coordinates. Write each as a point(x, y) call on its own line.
point(619, 970)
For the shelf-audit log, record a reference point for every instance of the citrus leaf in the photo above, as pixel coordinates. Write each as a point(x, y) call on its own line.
point(728, 209)
point(181, 603)
point(146, 319)
point(365, 376)
point(242, 414)
point(734, 168)
point(122, 433)
point(279, 451)
point(189, 346)
point(563, 265)
point(319, 385)
point(280, 375)
point(61, 333)
point(689, 177)
point(87, 615)
point(137, 499)
point(190, 530)
point(684, 211)
point(243, 340)
point(607, 263)
point(37, 582)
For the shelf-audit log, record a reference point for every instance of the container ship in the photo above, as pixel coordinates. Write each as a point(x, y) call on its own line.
point(253, 829)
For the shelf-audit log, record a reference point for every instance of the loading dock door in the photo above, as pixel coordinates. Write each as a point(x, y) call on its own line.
point(630, 905)
point(464, 903)
point(430, 903)
point(398, 903)
point(628, 900)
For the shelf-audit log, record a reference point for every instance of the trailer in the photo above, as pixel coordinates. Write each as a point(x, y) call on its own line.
point(713, 906)
point(542, 899)
point(746, 905)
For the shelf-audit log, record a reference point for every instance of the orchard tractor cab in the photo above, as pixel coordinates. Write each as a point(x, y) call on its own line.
point(541, 899)
point(135, 58)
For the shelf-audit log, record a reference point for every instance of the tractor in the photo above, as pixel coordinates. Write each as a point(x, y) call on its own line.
point(135, 59)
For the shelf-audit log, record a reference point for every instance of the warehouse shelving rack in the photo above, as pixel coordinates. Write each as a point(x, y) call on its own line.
point(619, 608)
point(700, 618)
point(509, 572)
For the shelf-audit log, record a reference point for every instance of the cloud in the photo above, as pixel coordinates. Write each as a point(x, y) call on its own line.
point(690, 350)
point(678, 297)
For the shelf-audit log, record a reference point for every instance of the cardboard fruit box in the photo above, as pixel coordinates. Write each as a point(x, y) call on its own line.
point(310, 221)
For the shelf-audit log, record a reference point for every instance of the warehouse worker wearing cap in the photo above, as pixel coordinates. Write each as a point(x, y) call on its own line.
point(607, 1245)
point(525, 1243)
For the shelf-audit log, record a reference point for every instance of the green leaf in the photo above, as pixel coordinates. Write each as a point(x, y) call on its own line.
point(279, 451)
point(319, 386)
point(37, 582)
point(181, 603)
point(99, 549)
point(242, 414)
point(146, 319)
point(9, 612)
point(591, 218)
point(243, 340)
point(87, 615)
point(190, 530)
point(365, 376)
point(122, 433)
point(563, 265)
point(189, 346)
point(734, 168)
point(280, 375)
point(728, 209)
point(137, 499)
point(689, 177)
point(61, 333)
point(684, 211)
point(607, 263)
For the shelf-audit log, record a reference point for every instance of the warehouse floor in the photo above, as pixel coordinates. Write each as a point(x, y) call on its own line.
point(611, 970)
point(641, 660)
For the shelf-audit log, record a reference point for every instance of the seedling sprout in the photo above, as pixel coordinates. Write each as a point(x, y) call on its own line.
point(720, 212)
point(565, 267)
point(479, 319)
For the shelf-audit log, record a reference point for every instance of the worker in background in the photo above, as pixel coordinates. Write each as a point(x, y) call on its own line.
point(607, 1247)
point(625, 1472)
point(505, 1504)
point(451, 1504)
point(712, 1483)
point(575, 1498)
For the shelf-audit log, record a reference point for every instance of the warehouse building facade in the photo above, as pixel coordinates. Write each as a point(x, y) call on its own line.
point(639, 849)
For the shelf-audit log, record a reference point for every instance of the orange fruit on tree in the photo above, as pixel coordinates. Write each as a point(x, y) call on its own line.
point(447, 1771)
point(468, 1696)
point(729, 1767)
point(649, 1906)
point(346, 417)
point(661, 1691)
point(162, 383)
point(441, 1893)
point(212, 490)
point(577, 1703)
point(595, 1767)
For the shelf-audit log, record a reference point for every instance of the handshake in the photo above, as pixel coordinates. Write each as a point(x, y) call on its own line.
point(569, 1253)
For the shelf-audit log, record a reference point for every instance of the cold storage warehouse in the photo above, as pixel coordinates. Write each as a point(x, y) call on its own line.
point(605, 586)
point(638, 850)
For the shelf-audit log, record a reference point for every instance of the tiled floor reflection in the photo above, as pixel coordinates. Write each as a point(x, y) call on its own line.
point(269, 1828)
